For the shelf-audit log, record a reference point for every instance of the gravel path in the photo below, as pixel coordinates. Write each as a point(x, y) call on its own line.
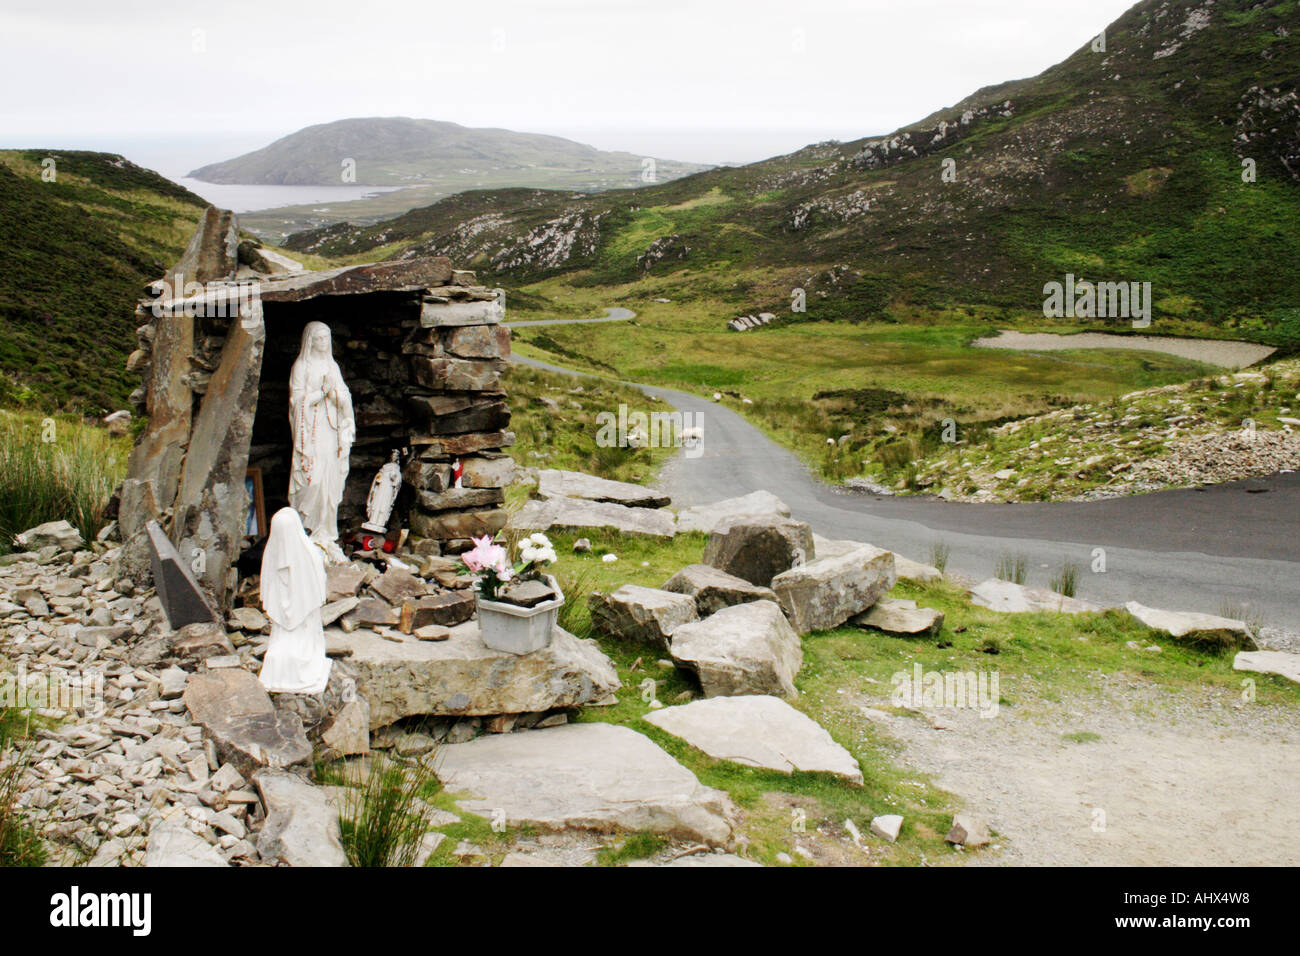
point(1184, 779)
point(1226, 354)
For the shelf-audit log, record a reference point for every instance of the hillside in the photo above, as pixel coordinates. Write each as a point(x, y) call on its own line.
point(78, 253)
point(1117, 165)
point(400, 151)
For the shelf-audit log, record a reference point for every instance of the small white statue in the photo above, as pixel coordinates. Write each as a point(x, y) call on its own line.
point(293, 590)
point(320, 416)
point(383, 495)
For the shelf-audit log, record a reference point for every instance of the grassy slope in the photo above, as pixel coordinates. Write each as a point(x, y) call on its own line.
point(78, 253)
point(1114, 166)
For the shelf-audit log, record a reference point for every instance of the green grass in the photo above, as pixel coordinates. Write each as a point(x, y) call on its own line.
point(19, 844)
point(1082, 737)
point(385, 815)
point(68, 477)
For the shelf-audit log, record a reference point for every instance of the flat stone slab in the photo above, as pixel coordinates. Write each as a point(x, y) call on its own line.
point(302, 825)
point(248, 731)
point(172, 843)
point(461, 676)
point(825, 593)
point(1010, 598)
point(745, 649)
point(579, 513)
point(707, 517)
point(758, 731)
point(584, 776)
point(900, 617)
point(713, 589)
point(1193, 626)
point(1269, 662)
point(554, 483)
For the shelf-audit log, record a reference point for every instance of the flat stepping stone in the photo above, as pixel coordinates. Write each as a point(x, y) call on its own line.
point(564, 512)
point(758, 731)
point(1010, 598)
point(554, 483)
point(707, 517)
point(585, 776)
point(1269, 662)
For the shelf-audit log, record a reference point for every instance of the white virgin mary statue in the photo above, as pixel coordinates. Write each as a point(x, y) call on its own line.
point(320, 415)
point(293, 589)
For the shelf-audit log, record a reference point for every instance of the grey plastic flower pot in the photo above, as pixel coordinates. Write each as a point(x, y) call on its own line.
point(519, 630)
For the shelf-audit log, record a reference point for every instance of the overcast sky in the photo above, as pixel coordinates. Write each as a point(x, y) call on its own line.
point(180, 83)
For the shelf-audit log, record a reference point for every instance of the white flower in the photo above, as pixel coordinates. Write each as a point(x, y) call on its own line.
point(539, 540)
point(529, 553)
point(546, 555)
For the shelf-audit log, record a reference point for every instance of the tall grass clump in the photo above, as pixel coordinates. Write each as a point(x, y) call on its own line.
point(1067, 581)
point(385, 816)
point(939, 555)
point(53, 469)
point(1012, 567)
point(19, 844)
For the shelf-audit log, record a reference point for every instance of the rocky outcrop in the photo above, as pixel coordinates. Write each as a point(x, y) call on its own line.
point(585, 776)
point(643, 615)
point(461, 676)
point(758, 731)
point(713, 589)
point(758, 549)
point(746, 649)
point(828, 591)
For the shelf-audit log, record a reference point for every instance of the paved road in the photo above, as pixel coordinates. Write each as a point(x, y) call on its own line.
point(1187, 550)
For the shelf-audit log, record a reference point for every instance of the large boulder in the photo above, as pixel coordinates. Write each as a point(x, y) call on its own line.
point(758, 549)
point(462, 677)
point(58, 534)
point(745, 649)
point(552, 483)
point(1010, 598)
point(302, 827)
point(644, 615)
point(901, 618)
point(580, 513)
point(758, 731)
point(713, 589)
point(707, 517)
point(828, 591)
point(585, 776)
point(237, 715)
point(1195, 628)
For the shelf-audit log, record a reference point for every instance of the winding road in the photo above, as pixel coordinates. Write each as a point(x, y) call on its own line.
point(1189, 549)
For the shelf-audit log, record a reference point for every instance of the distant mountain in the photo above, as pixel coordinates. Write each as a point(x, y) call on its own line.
point(78, 251)
point(399, 151)
point(1167, 152)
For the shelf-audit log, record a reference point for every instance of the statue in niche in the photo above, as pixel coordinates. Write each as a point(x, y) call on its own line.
point(383, 495)
point(320, 416)
point(293, 588)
